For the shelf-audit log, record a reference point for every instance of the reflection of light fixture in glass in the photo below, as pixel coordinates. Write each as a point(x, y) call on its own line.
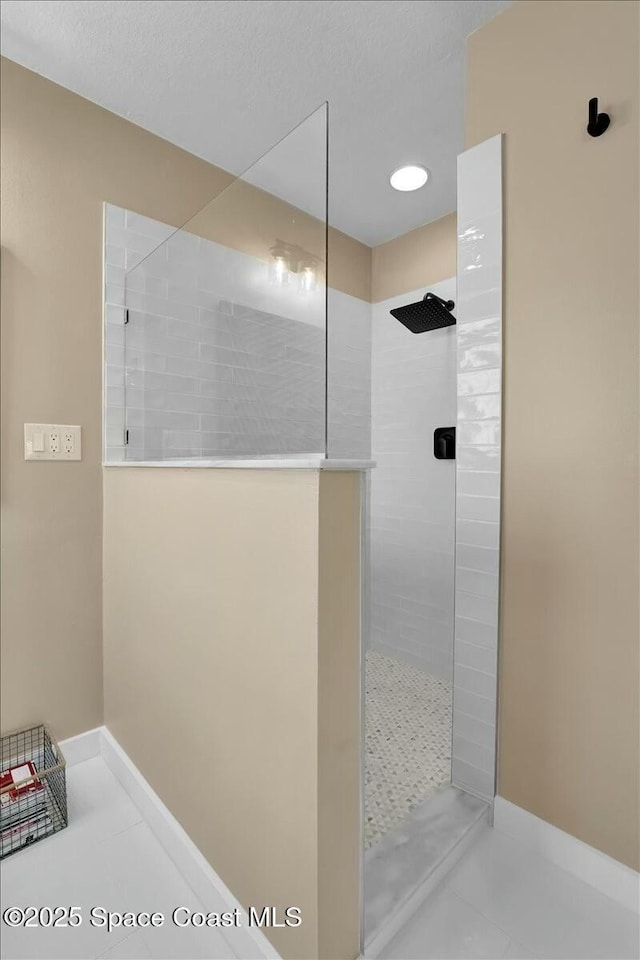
point(290, 264)
point(307, 278)
point(279, 265)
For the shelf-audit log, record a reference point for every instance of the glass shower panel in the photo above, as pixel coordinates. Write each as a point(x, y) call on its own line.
point(225, 333)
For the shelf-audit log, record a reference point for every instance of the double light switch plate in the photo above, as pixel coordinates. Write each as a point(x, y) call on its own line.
point(52, 441)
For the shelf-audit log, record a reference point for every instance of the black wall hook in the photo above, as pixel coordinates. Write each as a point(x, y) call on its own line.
point(598, 122)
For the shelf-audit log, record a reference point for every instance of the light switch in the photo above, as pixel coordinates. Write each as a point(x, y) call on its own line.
point(51, 441)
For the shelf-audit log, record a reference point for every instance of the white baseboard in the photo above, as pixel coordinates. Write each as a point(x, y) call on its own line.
point(600, 871)
point(83, 747)
point(195, 869)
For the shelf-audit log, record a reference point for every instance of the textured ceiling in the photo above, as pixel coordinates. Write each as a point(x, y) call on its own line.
point(226, 79)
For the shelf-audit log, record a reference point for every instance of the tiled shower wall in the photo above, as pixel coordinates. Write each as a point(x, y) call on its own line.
point(349, 377)
point(479, 333)
point(206, 368)
point(412, 493)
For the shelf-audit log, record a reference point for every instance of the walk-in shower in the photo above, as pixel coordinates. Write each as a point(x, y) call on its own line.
point(411, 534)
point(433, 540)
point(224, 344)
point(409, 660)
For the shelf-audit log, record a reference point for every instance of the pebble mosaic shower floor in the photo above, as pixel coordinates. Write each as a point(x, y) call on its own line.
point(407, 740)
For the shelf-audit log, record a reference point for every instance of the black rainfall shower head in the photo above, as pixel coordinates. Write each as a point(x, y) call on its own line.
point(430, 313)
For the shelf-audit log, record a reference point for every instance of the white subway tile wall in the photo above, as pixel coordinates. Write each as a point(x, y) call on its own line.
point(349, 377)
point(205, 368)
point(479, 369)
point(412, 493)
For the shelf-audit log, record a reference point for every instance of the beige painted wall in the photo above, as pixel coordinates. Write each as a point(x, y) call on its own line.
point(415, 259)
point(211, 641)
point(62, 156)
point(569, 719)
point(339, 707)
point(231, 648)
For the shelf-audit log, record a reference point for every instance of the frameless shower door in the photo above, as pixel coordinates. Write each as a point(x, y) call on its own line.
point(224, 343)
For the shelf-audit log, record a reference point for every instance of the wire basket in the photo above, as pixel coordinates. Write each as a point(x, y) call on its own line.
point(33, 791)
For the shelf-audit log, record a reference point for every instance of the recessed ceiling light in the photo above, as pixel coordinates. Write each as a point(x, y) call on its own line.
point(411, 177)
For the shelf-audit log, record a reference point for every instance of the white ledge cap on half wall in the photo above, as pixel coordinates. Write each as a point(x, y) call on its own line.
point(255, 463)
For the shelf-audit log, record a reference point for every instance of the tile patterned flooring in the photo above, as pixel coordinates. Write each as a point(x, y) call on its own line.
point(106, 857)
point(408, 741)
point(505, 900)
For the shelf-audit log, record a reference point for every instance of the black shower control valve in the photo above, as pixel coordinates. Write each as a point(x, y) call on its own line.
point(444, 443)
